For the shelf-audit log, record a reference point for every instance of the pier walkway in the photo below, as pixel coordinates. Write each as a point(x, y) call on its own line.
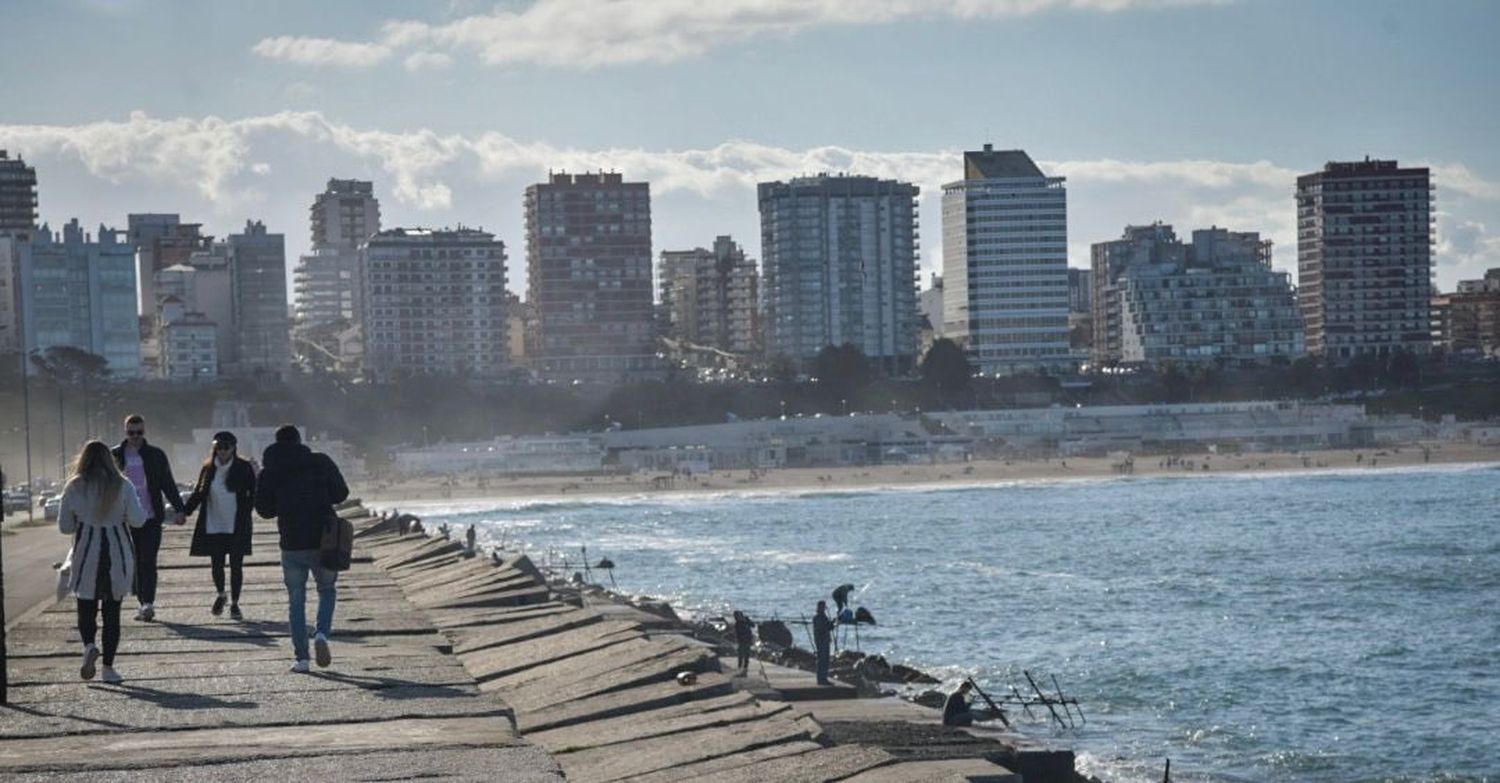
point(209, 698)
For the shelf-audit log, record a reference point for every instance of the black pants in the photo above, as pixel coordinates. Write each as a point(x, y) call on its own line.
point(88, 610)
point(147, 541)
point(236, 574)
point(743, 654)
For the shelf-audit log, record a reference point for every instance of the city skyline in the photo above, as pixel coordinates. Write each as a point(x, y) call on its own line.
point(283, 101)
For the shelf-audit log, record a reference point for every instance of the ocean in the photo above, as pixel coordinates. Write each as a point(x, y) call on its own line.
point(1337, 626)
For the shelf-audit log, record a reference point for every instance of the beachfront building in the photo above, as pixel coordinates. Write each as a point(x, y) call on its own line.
point(1364, 257)
point(1005, 264)
point(839, 259)
point(588, 273)
point(262, 328)
point(189, 344)
point(1177, 428)
point(536, 455)
point(1215, 299)
point(1467, 321)
point(328, 283)
point(79, 291)
point(711, 297)
point(161, 240)
point(18, 202)
point(435, 303)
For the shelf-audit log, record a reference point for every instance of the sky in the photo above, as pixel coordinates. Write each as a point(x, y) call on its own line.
point(1193, 112)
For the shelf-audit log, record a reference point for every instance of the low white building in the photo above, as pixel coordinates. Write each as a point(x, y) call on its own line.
point(504, 456)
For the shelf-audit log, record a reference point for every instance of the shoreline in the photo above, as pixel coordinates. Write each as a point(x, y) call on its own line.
point(974, 474)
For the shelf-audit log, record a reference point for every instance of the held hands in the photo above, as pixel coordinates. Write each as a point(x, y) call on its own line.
point(179, 518)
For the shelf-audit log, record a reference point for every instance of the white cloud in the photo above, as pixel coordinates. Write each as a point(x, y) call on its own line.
point(428, 61)
point(228, 164)
point(583, 34)
point(321, 51)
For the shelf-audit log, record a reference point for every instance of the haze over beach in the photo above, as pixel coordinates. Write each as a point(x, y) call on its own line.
point(1076, 391)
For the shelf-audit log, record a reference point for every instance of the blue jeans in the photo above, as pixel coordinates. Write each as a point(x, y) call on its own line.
point(295, 566)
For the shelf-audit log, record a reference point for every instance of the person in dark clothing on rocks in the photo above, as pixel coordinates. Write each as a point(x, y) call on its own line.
point(224, 498)
point(743, 636)
point(822, 640)
point(956, 710)
point(150, 474)
point(299, 487)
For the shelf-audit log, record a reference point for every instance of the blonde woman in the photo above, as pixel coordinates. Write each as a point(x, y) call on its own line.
point(98, 509)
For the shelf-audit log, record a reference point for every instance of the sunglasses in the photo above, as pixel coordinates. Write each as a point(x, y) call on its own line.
point(134, 433)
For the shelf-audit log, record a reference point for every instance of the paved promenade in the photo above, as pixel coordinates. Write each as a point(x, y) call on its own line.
point(208, 698)
point(451, 668)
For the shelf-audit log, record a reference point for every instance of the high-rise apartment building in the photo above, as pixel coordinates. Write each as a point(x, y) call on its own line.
point(17, 194)
point(328, 282)
point(189, 343)
point(1005, 264)
point(711, 297)
point(1215, 299)
point(202, 284)
point(1364, 258)
point(588, 273)
point(435, 303)
point(79, 291)
point(839, 264)
point(257, 264)
point(161, 240)
point(1467, 321)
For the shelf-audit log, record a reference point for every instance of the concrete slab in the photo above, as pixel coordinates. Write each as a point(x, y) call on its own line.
point(504, 660)
point(949, 771)
point(451, 765)
point(618, 762)
point(117, 750)
point(724, 765)
point(626, 701)
point(645, 726)
point(827, 764)
point(472, 640)
point(783, 683)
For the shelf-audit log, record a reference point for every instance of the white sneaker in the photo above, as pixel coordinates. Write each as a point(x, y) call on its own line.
point(321, 652)
point(300, 667)
point(90, 654)
point(146, 613)
point(111, 676)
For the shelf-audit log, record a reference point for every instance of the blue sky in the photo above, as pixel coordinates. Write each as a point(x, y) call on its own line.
point(1189, 111)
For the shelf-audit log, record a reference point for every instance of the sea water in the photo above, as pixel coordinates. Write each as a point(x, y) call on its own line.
point(1287, 627)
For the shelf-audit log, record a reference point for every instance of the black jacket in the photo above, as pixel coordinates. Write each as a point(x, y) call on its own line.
point(159, 480)
point(241, 482)
point(298, 487)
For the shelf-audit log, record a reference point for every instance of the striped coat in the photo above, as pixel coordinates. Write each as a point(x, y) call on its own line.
point(78, 515)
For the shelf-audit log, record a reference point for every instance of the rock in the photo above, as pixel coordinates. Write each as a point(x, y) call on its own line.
point(910, 675)
point(933, 699)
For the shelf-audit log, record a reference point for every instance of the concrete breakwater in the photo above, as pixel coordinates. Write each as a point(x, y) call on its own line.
point(622, 691)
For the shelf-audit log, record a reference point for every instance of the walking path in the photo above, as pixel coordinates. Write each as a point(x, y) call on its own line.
point(205, 697)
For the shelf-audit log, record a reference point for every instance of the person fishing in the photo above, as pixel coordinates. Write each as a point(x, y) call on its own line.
point(743, 636)
point(822, 640)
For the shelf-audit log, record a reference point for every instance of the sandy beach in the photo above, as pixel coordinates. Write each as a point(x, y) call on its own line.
point(963, 473)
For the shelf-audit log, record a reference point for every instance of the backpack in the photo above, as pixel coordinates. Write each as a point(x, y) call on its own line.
point(337, 550)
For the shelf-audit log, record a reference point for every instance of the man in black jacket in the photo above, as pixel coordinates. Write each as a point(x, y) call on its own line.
point(299, 487)
point(150, 473)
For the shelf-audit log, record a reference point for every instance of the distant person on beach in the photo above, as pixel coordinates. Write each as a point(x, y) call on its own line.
point(956, 711)
point(150, 472)
point(469, 537)
point(99, 509)
point(224, 498)
point(822, 640)
point(299, 487)
point(841, 597)
point(743, 636)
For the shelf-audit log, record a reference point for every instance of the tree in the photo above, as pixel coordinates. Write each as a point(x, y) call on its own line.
point(68, 368)
point(946, 366)
point(842, 370)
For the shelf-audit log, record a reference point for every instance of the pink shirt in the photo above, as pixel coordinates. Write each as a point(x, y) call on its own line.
point(135, 470)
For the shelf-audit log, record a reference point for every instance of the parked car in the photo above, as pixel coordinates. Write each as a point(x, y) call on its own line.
point(16, 500)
